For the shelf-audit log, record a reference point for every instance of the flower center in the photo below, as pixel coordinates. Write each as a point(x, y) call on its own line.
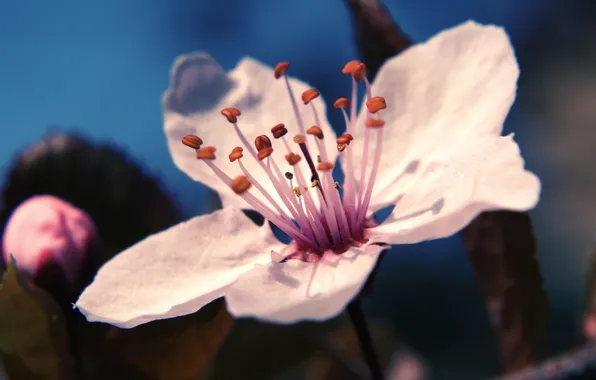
point(319, 214)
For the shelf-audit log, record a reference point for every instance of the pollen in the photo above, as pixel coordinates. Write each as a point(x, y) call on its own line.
point(236, 154)
point(309, 95)
point(240, 184)
point(376, 104)
point(293, 158)
point(315, 131)
point(374, 123)
point(206, 153)
point(341, 103)
point(231, 114)
point(279, 130)
point(264, 153)
point(325, 166)
point(192, 141)
point(280, 69)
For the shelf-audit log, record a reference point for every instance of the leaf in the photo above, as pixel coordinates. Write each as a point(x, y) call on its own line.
point(33, 335)
point(502, 250)
point(377, 36)
point(172, 349)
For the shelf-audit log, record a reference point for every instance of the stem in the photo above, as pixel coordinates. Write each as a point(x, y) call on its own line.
point(370, 355)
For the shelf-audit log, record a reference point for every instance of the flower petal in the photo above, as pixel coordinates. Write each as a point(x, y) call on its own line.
point(295, 290)
point(177, 271)
point(454, 188)
point(200, 89)
point(459, 84)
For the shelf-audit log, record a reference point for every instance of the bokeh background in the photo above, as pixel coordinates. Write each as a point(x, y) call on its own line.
point(100, 68)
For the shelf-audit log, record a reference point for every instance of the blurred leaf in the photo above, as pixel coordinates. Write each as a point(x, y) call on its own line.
point(377, 36)
point(33, 336)
point(172, 349)
point(502, 250)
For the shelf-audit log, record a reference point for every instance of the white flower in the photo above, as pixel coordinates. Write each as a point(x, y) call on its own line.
point(434, 149)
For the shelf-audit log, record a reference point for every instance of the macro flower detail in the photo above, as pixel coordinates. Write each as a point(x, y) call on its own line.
point(427, 139)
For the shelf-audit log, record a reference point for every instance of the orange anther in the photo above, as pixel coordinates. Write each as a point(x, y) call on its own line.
point(280, 69)
point(192, 141)
point(341, 103)
point(315, 131)
point(350, 67)
point(345, 139)
point(293, 158)
point(236, 154)
point(341, 147)
point(231, 114)
point(264, 153)
point(374, 123)
point(262, 142)
point(376, 104)
point(206, 153)
point(279, 130)
point(240, 184)
point(309, 95)
point(325, 166)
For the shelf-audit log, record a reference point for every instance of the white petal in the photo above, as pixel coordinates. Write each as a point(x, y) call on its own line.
point(177, 271)
point(458, 85)
point(455, 187)
point(295, 291)
point(200, 89)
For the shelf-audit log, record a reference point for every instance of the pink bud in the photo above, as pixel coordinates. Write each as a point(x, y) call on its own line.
point(45, 229)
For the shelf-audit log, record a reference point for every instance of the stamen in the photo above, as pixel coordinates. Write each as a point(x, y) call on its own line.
point(289, 175)
point(279, 130)
point(300, 140)
point(236, 154)
point(376, 104)
point(315, 131)
point(192, 141)
point(293, 158)
point(262, 190)
point(240, 184)
point(264, 153)
point(206, 153)
point(288, 228)
point(231, 114)
point(309, 95)
point(280, 71)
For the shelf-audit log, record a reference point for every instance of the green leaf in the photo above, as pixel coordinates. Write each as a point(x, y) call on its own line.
point(33, 336)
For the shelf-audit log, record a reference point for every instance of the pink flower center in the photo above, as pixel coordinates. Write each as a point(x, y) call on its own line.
point(316, 215)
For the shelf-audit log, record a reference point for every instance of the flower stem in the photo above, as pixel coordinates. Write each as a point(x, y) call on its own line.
point(370, 355)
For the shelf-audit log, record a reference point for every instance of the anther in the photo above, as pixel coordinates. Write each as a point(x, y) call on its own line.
point(337, 185)
point(346, 138)
point(240, 184)
point(262, 142)
point(356, 68)
point(341, 103)
point(280, 69)
point(325, 166)
point(192, 141)
point(206, 153)
point(236, 154)
point(376, 104)
point(289, 175)
point(231, 114)
point(299, 139)
point(297, 191)
point(309, 95)
point(314, 183)
point(264, 153)
point(374, 123)
point(318, 158)
point(315, 131)
point(279, 130)
point(293, 158)
point(341, 147)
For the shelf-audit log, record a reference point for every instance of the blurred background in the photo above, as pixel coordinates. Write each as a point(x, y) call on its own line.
point(100, 68)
